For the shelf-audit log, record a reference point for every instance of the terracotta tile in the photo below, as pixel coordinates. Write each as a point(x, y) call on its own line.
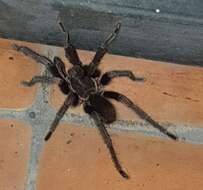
point(14, 68)
point(77, 158)
point(15, 139)
point(172, 93)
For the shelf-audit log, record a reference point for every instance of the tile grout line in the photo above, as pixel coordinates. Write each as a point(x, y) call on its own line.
point(40, 125)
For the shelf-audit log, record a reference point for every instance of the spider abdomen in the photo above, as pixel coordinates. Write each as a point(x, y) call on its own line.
point(103, 107)
point(83, 87)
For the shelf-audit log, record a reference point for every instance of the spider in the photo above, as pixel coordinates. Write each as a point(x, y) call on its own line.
point(84, 84)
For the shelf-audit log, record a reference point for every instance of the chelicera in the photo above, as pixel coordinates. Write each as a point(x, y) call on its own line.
point(84, 84)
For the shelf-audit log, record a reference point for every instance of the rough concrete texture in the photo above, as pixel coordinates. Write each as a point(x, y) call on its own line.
point(41, 114)
point(168, 31)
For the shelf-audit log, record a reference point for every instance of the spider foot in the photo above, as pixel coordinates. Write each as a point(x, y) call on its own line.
point(40, 79)
point(172, 136)
point(124, 174)
point(15, 47)
point(112, 36)
point(47, 137)
point(140, 79)
point(27, 83)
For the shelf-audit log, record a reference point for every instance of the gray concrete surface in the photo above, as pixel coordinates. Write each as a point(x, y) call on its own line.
point(170, 30)
point(41, 114)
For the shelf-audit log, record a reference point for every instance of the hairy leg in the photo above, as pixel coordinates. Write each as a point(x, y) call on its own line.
point(101, 51)
point(67, 103)
point(107, 139)
point(57, 67)
point(108, 76)
point(30, 53)
point(70, 51)
point(142, 114)
point(40, 79)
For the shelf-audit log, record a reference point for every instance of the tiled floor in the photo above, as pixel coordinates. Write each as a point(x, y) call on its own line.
point(76, 157)
point(15, 140)
point(14, 68)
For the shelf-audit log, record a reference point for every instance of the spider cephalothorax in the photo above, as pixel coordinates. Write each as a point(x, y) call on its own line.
point(84, 84)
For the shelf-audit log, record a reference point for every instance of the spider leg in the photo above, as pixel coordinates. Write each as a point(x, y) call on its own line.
point(57, 68)
point(30, 53)
point(106, 77)
point(40, 79)
point(70, 51)
point(142, 114)
point(67, 103)
point(107, 139)
point(101, 51)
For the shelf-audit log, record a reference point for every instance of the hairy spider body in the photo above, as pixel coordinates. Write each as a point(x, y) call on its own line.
point(83, 87)
point(84, 84)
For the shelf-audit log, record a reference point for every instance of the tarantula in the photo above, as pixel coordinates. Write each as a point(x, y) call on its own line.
point(84, 84)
